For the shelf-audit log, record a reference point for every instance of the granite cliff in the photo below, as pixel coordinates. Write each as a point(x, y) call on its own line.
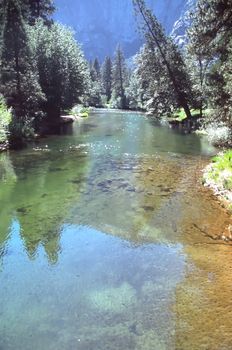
point(101, 24)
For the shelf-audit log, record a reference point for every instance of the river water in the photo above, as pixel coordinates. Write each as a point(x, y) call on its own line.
point(107, 241)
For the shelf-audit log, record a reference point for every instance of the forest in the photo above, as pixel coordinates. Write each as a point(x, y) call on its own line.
point(44, 72)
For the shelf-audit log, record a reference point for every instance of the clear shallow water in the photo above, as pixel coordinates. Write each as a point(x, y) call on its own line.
point(105, 242)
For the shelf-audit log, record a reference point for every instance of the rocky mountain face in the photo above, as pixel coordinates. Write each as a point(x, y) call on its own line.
point(101, 24)
point(180, 27)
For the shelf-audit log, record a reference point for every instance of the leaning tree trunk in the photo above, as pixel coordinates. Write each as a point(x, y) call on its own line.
point(180, 95)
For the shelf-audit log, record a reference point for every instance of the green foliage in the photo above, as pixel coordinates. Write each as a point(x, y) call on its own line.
point(63, 71)
point(106, 76)
point(134, 92)
point(95, 98)
point(18, 73)
point(20, 131)
point(5, 120)
point(108, 83)
point(80, 111)
point(180, 114)
point(166, 65)
point(155, 93)
point(95, 87)
point(97, 69)
point(224, 161)
point(34, 9)
point(119, 80)
point(43, 70)
point(211, 47)
point(221, 170)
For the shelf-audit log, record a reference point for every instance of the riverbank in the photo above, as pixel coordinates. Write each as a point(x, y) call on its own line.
point(218, 176)
point(65, 119)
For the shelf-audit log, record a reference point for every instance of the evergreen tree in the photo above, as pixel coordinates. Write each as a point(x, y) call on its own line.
point(134, 92)
point(171, 57)
point(35, 9)
point(95, 70)
point(18, 73)
point(198, 64)
point(106, 74)
point(96, 67)
point(119, 80)
point(156, 95)
point(210, 39)
point(198, 60)
point(95, 84)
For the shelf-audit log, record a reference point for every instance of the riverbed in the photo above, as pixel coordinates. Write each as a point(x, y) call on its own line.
point(109, 241)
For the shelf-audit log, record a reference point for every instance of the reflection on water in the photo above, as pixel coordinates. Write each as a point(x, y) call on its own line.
point(90, 299)
point(106, 242)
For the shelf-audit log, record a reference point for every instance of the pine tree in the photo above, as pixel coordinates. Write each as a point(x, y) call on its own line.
point(95, 70)
point(119, 80)
point(96, 67)
point(35, 9)
point(18, 73)
point(210, 40)
point(133, 92)
point(198, 59)
point(95, 84)
point(106, 74)
point(156, 94)
point(170, 55)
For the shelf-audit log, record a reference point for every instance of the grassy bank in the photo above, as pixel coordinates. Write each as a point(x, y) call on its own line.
point(218, 175)
point(180, 115)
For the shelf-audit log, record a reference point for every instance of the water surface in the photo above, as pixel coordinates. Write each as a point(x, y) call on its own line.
point(108, 242)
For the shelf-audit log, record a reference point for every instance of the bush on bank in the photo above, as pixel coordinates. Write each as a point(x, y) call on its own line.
point(218, 175)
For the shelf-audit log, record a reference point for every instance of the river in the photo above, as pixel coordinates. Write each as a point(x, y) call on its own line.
point(108, 241)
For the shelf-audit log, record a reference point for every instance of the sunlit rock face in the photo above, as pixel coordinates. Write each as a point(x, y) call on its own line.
point(179, 31)
point(101, 24)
